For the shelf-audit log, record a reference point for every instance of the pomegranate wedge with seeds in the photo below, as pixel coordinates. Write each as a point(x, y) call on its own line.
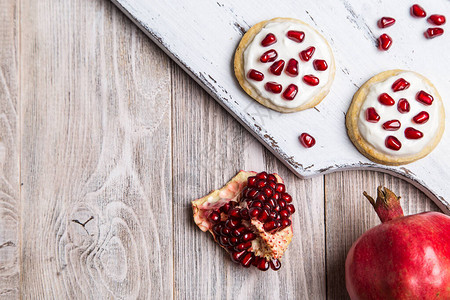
point(250, 217)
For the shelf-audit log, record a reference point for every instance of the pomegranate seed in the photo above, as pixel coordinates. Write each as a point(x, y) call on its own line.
point(255, 261)
point(417, 11)
point(277, 207)
point(272, 202)
point(433, 32)
point(235, 213)
point(284, 214)
point(384, 42)
point(282, 203)
point(392, 125)
point(296, 36)
point(393, 143)
point(233, 241)
point(262, 176)
point(247, 260)
point(263, 215)
point(275, 264)
point(413, 134)
point(243, 246)
point(267, 207)
point(320, 65)
point(238, 231)
point(273, 215)
point(244, 213)
point(306, 140)
point(273, 87)
point(268, 56)
point(385, 99)
point(311, 80)
point(270, 39)
point(260, 184)
point(277, 67)
point(280, 188)
point(247, 237)
point(225, 231)
point(292, 67)
point(224, 241)
point(261, 197)
point(272, 178)
point(286, 197)
point(400, 85)
point(232, 223)
point(263, 264)
point(255, 75)
point(254, 212)
point(251, 181)
point(267, 191)
point(291, 208)
point(403, 106)
point(306, 54)
point(237, 256)
point(386, 22)
point(269, 226)
point(437, 20)
point(252, 194)
point(257, 203)
point(371, 115)
point(290, 92)
point(421, 117)
point(276, 196)
point(424, 98)
point(285, 223)
point(226, 207)
point(217, 229)
point(214, 217)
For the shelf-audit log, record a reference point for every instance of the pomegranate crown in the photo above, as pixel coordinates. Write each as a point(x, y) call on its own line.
point(387, 206)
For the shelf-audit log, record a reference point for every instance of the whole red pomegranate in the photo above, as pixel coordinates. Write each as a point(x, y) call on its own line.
point(402, 258)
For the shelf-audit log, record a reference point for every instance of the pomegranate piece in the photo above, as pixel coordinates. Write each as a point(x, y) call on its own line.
point(270, 39)
point(393, 143)
point(424, 98)
point(292, 67)
point(400, 85)
point(437, 20)
point(392, 125)
point(385, 22)
point(290, 92)
point(273, 87)
point(311, 80)
point(296, 36)
point(268, 56)
point(372, 116)
point(413, 134)
point(277, 67)
point(320, 65)
point(418, 11)
point(255, 75)
point(421, 118)
point(306, 54)
point(384, 42)
point(307, 141)
point(431, 33)
point(403, 106)
point(385, 99)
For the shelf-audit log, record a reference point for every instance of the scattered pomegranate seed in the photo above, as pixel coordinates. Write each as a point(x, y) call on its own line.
point(307, 141)
point(306, 54)
point(437, 20)
point(292, 67)
point(311, 80)
point(296, 36)
point(400, 85)
point(413, 134)
point(431, 33)
point(385, 99)
point(320, 65)
point(268, 56)
point(270, 39)
point(384, 42)
point(273, 87)
point(393, 143)
point(371, 115)
point(403, 106)
point(392, 125)
point(424, 98)
point(277, 67)
point(255, 75)
point(417, 11)
point(421, 117)
point(386, 22)
point(290, 92)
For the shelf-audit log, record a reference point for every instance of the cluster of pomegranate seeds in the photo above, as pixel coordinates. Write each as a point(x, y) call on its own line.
point(306, 140)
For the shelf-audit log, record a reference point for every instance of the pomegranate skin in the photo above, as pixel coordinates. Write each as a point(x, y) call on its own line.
point(402, 258)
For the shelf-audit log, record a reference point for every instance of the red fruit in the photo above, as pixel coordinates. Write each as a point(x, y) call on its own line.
point(277, 67)
point(433, 32)
point(384, 42)
point(392, 125)
point(292, 67)
point(403, 106)
point(306, 54)
point(311, 80)
point(400, 85)
point(268, 56)
point(255, 75)
point(290, 92)
point(386, 22)
point(270, 39)
point(437, 20)
point(385, 99)
point(273, 87)
point(306, 140)
point(424, 98)
point(413, 134)
point(421, 117)
point(320, 65)
point(417, 11)
point(393, 143)
point(296, 36)
point(405, 257)
point(371, 115)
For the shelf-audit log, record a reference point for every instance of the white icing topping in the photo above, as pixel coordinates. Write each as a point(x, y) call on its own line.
point(287, 49)
point(374, 133)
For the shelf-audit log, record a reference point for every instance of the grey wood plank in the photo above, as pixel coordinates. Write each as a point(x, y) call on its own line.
point(96, 155)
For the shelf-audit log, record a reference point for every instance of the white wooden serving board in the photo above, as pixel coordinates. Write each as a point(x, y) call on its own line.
point(202, 35)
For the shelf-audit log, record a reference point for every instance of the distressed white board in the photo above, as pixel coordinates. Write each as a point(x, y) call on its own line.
point(202, 35)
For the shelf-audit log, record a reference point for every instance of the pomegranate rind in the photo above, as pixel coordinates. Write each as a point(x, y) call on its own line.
point(275, 244)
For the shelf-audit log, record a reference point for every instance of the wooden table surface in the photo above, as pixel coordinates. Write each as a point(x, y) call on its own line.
point(104, 142)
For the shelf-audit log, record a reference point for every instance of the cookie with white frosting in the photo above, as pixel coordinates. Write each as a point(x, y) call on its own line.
point(284, 64)
point(396, 117)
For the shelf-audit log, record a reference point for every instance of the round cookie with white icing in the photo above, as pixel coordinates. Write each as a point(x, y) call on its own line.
point(396, 117)
point(284, 64)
